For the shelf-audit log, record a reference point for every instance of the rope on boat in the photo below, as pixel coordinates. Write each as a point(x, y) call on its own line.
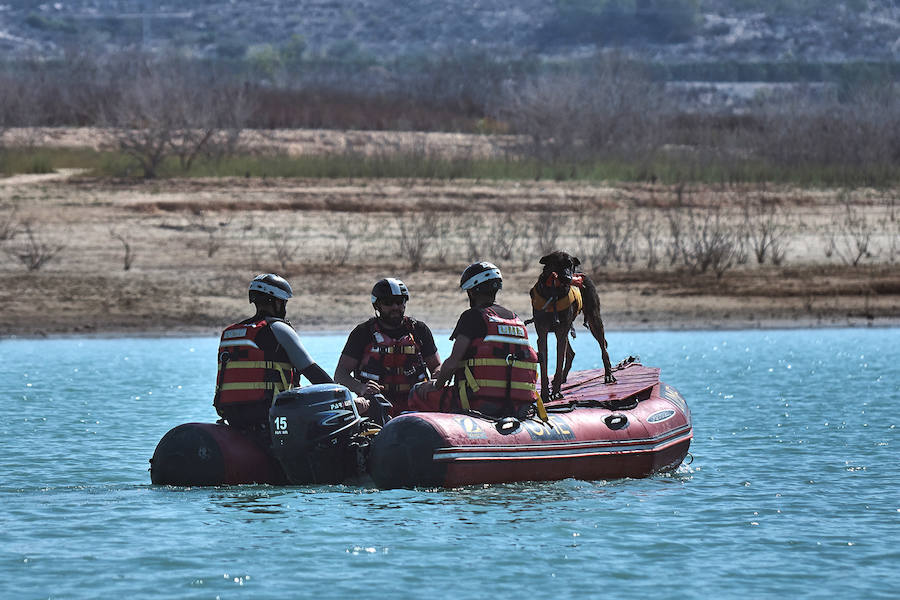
point(624, 364)
point(616, 404)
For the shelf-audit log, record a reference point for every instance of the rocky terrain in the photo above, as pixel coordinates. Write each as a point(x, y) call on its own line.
point(683, 30)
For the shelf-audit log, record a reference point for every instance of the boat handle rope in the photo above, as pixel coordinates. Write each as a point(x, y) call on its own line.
point(624, 364)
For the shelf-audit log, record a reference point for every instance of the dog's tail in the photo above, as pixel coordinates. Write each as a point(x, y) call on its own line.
point(592, 319)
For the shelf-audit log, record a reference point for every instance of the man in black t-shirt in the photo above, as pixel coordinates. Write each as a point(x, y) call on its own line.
point(390, 352)
point(492, 362)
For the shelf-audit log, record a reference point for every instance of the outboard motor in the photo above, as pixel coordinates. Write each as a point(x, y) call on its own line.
point(314, 433)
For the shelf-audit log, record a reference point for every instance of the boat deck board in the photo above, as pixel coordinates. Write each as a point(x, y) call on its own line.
point(588, 385)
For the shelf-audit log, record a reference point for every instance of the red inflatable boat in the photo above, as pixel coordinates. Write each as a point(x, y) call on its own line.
point(632, 428)
point(635, 427)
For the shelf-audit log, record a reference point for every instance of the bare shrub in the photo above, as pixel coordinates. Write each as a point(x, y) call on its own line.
point(286, 244)
point(767, 232)
point(612, 239)
point(346, 238)
point(507, 237)
point(125, 240)
point(546, 228)
point(35, 252)
point(214, 230)
point(475, 238)
point(674, 250)
point(441, 241)
point(9, 226)
point(416, 237)
point(709, 243)
point(850, 236)
point(648, 226)
point(584, 112)
point(170, 109)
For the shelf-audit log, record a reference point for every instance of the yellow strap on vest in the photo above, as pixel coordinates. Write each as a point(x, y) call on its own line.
point(476, 384)
point(538, 302)
point(257, 364)
point(463, 396)
point(501, 383)
point(285, 382)
point(467, 383)
point(251, 385)
point(403, 350)
point(279, 367)
point(500, 362)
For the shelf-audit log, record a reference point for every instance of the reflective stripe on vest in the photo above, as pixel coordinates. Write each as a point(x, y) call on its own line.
point(252, 366)
point(395, 363)
point(504, 365)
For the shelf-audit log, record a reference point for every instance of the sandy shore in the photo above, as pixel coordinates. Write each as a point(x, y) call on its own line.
point(191, 246)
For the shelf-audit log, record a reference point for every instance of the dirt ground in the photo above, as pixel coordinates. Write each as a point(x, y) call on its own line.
point(191, 247)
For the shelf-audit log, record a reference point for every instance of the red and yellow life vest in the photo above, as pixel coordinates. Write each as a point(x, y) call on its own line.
point(501, 366)
point(253, 367)
point(397, 364)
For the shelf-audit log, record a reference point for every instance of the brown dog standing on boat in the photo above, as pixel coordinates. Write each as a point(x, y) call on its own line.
point(561, 292)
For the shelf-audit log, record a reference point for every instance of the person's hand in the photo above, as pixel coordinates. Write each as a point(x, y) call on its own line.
point(362, 405)
point(371, 389)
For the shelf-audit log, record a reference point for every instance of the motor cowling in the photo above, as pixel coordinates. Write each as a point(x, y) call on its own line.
point(313, 433)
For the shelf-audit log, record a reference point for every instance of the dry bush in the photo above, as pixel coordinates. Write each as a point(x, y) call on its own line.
point(649, 226)
point(413, 239)
point(170, 109)
point(588, 112)
point(125, 240)
point(611, 239)
point(346, 237)
point(709, 242)
point(416, 237)
point(850, 236)
point(861, 130)
point(674, 250)
point(9, 226)
point(34, 252)
point(767, 231)
point(546, 228)
point(285, 243)
point(507, 236)
point(213, 228)
point(441, 242)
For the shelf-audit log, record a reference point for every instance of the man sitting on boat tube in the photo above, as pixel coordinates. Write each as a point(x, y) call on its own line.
point(260, 357)
point(493, 366)
point(390, 352)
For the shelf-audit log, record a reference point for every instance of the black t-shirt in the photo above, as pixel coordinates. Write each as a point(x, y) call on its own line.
point(471, 324)
point(361, 336)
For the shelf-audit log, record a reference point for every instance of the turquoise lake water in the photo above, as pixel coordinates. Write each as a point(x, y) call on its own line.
point(794, 488)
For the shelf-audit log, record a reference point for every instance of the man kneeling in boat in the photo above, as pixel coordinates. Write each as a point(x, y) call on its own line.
point(492, 363)
point(390, 352)
point(260, 357)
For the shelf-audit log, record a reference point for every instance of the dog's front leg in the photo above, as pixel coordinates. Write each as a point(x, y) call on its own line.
point(559, 376)
point(542, 359)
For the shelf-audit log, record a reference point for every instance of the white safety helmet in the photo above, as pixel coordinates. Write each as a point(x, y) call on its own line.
point(269, 284)
point(389, 287)
point(480, 272)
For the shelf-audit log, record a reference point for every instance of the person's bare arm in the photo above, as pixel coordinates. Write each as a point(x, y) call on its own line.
point(343, 374)
point(450, 365)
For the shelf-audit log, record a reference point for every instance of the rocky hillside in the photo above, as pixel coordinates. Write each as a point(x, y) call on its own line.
point(664, 31)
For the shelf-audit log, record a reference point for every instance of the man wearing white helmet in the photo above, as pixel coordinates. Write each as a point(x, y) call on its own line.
point(390, 352)
point(493, 366)
point(260, 357)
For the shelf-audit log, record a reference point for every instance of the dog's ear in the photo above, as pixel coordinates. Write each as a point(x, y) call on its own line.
point(546, 259)
point(575, 261)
